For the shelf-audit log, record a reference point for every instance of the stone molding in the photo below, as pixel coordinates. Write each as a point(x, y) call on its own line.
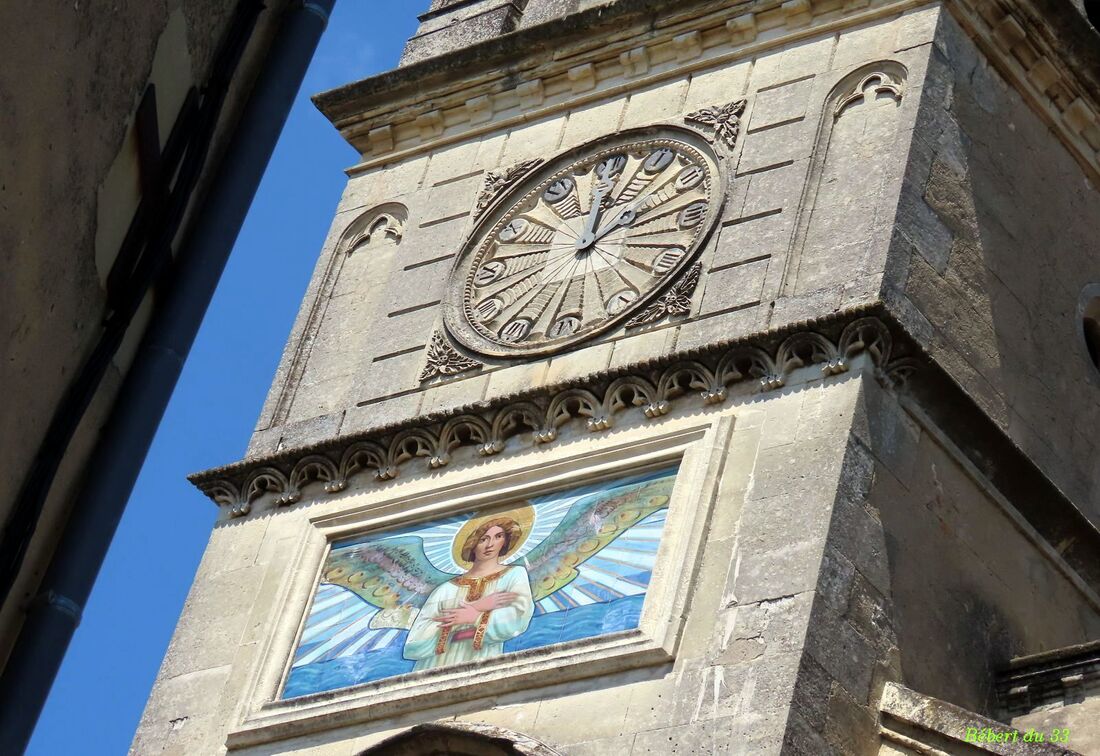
point(694, 38)
point(651, 390)
point(1021, 38)
point(926, 725)
point(1060, 676)
point(491, 738)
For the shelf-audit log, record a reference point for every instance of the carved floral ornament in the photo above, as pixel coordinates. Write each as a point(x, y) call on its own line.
point(444, 359)
point(724, 121)
point(652, 392)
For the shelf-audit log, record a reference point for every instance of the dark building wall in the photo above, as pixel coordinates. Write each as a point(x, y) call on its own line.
point(996, 238)
point(73, 78)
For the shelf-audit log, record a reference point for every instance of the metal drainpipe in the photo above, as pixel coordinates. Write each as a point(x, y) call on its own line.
point(124, 442)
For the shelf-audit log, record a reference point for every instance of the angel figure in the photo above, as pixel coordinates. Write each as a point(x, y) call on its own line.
point(470, 616)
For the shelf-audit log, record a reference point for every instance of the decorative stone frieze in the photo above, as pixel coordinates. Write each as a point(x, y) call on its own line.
point(1050, 678)
point(1018, 43)
point(1024, 47)
point(560, 82)
point(652, 391)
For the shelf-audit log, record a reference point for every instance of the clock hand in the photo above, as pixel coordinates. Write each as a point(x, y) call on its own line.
point(599, 192)
point(625, 217)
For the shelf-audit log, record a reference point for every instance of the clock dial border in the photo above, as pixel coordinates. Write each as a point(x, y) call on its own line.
point(459, 317)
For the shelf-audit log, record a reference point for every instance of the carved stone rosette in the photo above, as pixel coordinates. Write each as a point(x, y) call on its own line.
point(723, 120)
point(444, 359)
point(676, 301)
point(496, 182)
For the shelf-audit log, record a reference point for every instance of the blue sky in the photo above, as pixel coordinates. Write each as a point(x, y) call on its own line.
point(105, 680)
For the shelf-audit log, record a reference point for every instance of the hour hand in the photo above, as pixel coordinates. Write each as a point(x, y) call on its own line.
point(625, 217)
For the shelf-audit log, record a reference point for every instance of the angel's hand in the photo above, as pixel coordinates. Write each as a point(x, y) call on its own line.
point(495, 601)
point(463, 615)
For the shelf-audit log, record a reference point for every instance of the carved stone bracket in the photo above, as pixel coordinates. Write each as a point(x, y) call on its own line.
point(650, 391)
point(723, 120)
point(676, 301)
point(444, 359)
point(497, 182)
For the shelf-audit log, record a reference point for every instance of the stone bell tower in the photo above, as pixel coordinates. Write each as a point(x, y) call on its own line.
point(679, 377)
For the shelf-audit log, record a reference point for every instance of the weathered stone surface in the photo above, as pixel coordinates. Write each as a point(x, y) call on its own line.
point(852, 543)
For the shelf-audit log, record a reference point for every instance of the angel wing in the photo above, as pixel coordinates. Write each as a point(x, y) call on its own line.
point(393, 575)
point(591, 524)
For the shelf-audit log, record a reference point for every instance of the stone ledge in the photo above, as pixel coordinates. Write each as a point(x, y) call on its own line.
point(1035, 681)
point(926, 725)
point(762, 363)
point(694, 36)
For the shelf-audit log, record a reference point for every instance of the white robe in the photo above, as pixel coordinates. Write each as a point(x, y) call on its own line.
point(423, 642)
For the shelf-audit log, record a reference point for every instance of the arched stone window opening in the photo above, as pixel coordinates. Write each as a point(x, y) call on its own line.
point(460, 739)
point(1088, 320)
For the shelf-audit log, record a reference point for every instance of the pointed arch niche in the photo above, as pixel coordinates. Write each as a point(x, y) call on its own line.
point(364, 252)
point(378, 227)
point(855, 157)
point(460, 739)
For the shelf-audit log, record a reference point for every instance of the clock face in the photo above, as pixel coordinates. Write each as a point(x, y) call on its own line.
point(583, 242)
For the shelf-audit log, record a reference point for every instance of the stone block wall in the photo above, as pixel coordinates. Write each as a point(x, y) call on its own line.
point(995, 242)
point(929, 577)
point(358, 368)
point(735, 672)
point(850, 545)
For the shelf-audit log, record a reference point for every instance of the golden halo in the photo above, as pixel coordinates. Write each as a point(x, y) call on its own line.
point(524, 517)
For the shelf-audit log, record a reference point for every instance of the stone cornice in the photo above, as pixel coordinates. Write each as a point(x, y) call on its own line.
point(1050, 53)
point(484, 88)
point(706, 377)
point(1045, 48)
point(1052, 676)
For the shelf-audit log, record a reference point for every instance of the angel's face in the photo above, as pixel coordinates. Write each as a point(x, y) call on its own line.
point(490, 545)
